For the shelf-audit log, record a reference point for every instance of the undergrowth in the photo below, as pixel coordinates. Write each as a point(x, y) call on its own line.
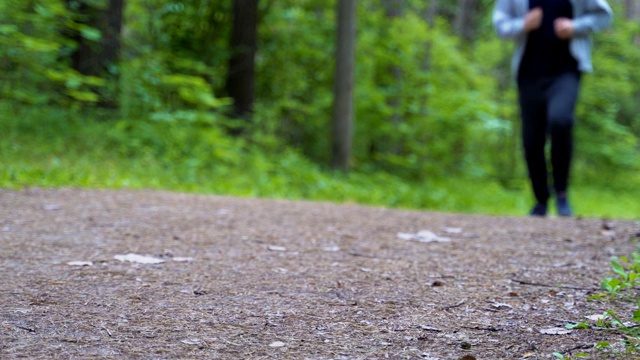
point(61, 148)
point(623, 319)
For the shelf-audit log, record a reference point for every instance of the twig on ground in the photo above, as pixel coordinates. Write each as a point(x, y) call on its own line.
point(428, 328)
point(103, 328)
point(29, 329)
point(107, 330)
point(229, 342)
point(483, 328)
point(522, 282)
point(454, 305)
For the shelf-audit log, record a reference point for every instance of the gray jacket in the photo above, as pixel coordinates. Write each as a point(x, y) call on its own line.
point(588, 16)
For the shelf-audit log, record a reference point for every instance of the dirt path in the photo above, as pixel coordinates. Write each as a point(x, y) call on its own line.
point(263, 279)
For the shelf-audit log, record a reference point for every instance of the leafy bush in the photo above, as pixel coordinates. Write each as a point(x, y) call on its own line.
point(34, 70)
point(622, 290)
point(432, 110)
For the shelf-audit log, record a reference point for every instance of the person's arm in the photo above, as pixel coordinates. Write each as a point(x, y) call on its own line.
point(598, 16)
point(509, 25)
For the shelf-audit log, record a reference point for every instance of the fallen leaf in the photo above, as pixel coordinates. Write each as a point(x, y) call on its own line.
point(277, 248)
point(428, 328)
point(192, 341)
point(406, 236)
point(451, 230)
point(80, 263)
point(51, 207)
point(331, 248)
point(139, 259)
point(277, 344)
point(424, 236)
point(555, 331)
point(501, 305)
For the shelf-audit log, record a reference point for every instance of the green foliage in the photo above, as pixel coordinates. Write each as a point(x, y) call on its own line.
point(609, 120)
point(624, 284)
point(164, 87)
point(51, 146)
point(433, 113)
point(33, 68)
point(570, 357)
point(294, 85)
point(622, 290)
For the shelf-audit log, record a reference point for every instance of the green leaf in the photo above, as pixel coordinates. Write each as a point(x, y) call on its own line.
point(39, 45)
point(611, 285)
point(597, 296)
point(580, 325)
point(8, 29)
point(86, 31)
point(558, 355)
point(618, 269)
point(602, 345)
point(85, 96)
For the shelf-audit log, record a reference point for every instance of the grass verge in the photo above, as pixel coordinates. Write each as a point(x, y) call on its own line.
point(53, 149)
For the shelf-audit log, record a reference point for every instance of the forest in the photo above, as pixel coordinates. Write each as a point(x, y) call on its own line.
point(239, 97)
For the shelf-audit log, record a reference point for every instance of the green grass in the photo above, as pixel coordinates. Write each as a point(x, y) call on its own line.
point(51, 148)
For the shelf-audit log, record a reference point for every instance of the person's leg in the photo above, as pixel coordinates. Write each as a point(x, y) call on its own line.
point(562, 98)
point(534, 132)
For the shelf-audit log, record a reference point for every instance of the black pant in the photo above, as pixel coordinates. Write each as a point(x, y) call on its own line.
point(547, 108)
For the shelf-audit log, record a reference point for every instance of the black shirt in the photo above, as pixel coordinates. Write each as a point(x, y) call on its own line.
point(545, 54)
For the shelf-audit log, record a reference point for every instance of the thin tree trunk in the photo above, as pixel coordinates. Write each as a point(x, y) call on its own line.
point(343, 93)
point(94, 57)
point(393, 10)
point(97, 57)
point(113, 30)
point(240, 84)
point(632, 9)
point(464, 20)
point(431, 13)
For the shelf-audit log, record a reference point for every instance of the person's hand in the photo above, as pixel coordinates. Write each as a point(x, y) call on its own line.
point(533, 20)
point(563, 28)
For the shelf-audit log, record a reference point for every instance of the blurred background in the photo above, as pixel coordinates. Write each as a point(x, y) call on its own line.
point(237, 97)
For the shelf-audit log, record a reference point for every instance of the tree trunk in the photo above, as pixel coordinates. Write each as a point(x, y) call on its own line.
point(393, 10)
point(431, 13)
point(632, 9)
point(343, 101)
point(113, 31)
point(464, 22)
point(240, 84)
point(97, 57)
point(94, 57)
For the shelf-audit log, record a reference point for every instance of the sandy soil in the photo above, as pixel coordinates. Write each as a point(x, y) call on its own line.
point(267, 279)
